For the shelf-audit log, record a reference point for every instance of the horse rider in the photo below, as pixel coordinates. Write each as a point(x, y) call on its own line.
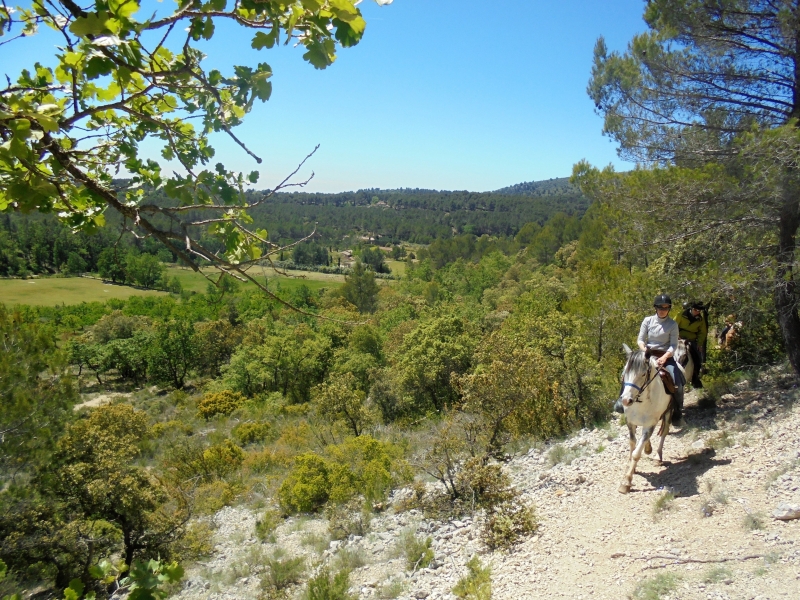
point(658, 336)
point(693, 329)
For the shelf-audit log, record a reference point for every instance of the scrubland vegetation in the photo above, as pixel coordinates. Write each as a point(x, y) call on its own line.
point(504, 330)
point(229, 397)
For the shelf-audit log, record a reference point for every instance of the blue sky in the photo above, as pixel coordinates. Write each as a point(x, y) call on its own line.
point(439, 94)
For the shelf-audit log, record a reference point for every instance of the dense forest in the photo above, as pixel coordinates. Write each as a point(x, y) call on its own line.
point(40, 244)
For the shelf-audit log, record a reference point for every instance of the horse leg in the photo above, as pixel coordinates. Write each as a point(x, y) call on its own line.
point(663, 435)
point(631, 438)
point(636, 454)
point(647, 447)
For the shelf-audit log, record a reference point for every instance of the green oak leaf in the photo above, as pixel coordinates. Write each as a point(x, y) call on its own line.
point(90, 25)
point(123, 8)
point(320, 54)
point(349, 33)
point(265, 40)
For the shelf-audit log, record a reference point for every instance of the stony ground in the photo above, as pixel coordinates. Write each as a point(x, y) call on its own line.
point(728, 470)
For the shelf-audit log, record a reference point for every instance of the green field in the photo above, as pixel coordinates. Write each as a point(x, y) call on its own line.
point(195, 282)
point(398, 267)
point(52, 291)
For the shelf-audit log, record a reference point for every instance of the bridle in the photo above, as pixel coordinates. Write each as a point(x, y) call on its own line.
point(644, 387)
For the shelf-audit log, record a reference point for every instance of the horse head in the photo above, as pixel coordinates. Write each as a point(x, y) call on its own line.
point(635, 375)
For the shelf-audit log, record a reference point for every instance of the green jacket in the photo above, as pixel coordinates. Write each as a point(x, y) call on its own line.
point(689, 329)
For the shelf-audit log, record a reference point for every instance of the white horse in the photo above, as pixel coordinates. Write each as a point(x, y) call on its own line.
point(682, 354)
point(646, 403)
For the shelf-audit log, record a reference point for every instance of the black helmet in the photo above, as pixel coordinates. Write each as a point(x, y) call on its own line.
point(698, 304)
point(662, 299)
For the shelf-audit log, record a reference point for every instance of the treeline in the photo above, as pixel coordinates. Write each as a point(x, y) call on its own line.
point(39, 244)
point(417, 216)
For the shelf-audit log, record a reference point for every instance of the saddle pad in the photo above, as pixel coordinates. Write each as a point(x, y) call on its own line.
point(669, 385)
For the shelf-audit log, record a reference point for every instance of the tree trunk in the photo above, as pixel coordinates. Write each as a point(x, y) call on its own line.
point(785, 284)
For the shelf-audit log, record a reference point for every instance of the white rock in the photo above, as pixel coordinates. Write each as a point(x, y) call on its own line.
point(786, 512)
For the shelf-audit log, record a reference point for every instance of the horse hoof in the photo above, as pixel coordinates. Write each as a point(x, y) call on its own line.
point(658, 462)
point(624, 488)
point(648, 448)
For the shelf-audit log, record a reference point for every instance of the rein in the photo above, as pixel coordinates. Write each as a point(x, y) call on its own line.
point(641, 389)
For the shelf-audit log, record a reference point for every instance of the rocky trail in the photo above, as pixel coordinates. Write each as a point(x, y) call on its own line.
point(729, 470)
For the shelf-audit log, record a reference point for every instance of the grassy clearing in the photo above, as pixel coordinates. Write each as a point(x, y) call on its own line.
point(398, 267)
point(196, 282)
point(54, 291)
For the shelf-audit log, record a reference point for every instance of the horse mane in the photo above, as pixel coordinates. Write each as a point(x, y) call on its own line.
point(636, 363)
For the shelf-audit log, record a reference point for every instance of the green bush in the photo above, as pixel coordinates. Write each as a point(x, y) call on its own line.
point(266, 525)
point(484, 485)
point(307, 487)
point(282, 573)
point(250, 433)
point(366, 466)
point(221, 459)
point(194, 544)
point(477, 584)
point(358, 466)
point(326, 586)
point(351, 518)
point(417, 552)
point(219, 403)
point(508, 523)
point(211, 497)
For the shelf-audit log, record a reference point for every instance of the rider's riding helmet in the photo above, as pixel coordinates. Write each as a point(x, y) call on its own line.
point(698, 304)
point(662, 299)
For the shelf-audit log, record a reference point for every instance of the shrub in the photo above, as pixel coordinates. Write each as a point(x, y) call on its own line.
point(221, 459)
point(391, 589)
point(348, 519)
point(267, 460)
point(362, 465)
point(663, 503)
point(266, 525)
point(753, 521)
point(211, 497)
point(350, 559)
point(307, 487)
point(417, 552)
point(166, 427)
point(219, 403)
point(485, 485)
point(508, 523)
point(194, 544)
point(477, 584)
point(656, 587)
point(250, 433)
point(282, 572)
point(326, 586)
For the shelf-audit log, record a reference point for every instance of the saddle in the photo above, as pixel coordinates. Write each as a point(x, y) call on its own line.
point(666, 378)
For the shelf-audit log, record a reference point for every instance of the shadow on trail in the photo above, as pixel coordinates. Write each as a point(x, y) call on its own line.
point(682, 475)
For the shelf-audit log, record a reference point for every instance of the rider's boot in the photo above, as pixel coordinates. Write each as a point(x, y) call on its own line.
point(677, 413)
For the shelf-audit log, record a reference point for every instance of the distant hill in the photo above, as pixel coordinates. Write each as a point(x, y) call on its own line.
point(560, 186)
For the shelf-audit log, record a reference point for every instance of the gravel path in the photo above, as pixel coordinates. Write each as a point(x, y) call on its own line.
point(729, 469)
